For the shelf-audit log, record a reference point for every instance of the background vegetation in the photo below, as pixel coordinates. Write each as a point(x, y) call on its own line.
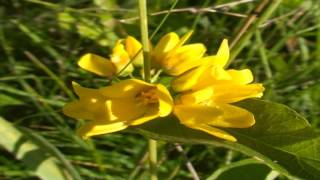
point(41, 41)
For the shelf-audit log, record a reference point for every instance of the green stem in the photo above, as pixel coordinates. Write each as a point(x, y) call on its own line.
point(265, 14)
point(263, 55)
point(147, 77)
point(153, 159)
point(145, 39)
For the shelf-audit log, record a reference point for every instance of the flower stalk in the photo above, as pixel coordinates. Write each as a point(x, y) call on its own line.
point(147, 77)
point(145, 39)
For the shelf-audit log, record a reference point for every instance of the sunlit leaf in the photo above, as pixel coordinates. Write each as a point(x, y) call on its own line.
point(36, 158)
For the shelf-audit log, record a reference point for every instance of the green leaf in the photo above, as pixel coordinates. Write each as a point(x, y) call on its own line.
point(246, 169)
point(6, 100)
point(281, 138)
point(36, 158)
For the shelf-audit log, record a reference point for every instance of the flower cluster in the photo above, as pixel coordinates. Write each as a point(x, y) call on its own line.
point(204, 90)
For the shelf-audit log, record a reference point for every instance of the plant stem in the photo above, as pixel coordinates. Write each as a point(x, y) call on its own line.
point(246, 34)
point(153, 159)
point(147, 67)
point(263, 55)
point(145, 38)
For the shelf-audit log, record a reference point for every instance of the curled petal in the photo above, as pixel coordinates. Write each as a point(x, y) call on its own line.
point(85, 92)
point(133, 47)
point(166, 43)
point(165, 100)
point(97, 128)
point(222, 54)
point(229, 93)
point(121, 59)
point(241, 76)
point(97, 64)
point(213, 131)
point(150, 114)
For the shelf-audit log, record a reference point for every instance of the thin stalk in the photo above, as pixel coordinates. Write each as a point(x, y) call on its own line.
point(145, 39)
point(164, 19)
point(263, 55)
point(147, 77)
point(265, 14)
point(318, 39)
point(153, 159)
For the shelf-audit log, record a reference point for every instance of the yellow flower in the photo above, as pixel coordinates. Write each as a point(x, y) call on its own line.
point(207, 92)
point(175, 58)
point(210, 71)
point(114, 108)
point(124, 52)
point(208, 108)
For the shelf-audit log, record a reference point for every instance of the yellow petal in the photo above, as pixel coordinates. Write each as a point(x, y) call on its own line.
point(97, 128)
point(133, 47)
point(85, 92)
point(213, 131)
point(195, 117)
point(184, 59)
point(90, 106)
point(241, 76)
point(77, 110)
point(165, 100)
point(124, 109)
point(222, 54)
point(130, 111)
point(149, 114)
point(125, 88)
point(166, 43)
point(187, 80)
point(193, 114)
point(233, 117)
point(229, 93)
point(121, 59)
point(211, 76)
point(97, 64)
point(202, 96)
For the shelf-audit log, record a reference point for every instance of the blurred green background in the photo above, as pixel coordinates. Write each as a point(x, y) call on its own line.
point(41, 41)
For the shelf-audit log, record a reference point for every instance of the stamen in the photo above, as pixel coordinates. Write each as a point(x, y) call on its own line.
point(147, 96)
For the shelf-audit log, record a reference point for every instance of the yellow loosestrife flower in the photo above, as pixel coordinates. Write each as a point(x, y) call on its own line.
point(124, 52)
point(210, 71)
point(207, 92)
point(175, 58)
point(113, 108)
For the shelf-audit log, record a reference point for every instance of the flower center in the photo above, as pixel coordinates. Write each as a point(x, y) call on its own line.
point(147, 96)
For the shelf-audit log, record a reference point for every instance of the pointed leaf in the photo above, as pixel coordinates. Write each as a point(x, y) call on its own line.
point(246, 169)
point(281, 138)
